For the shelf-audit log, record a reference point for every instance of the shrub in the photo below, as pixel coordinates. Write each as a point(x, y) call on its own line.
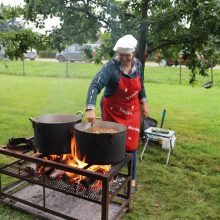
point(47, 54)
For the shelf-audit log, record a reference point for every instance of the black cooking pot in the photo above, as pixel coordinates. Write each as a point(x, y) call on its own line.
point(104, 148)
point(53, 133)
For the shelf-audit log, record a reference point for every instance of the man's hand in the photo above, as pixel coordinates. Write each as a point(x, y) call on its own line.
point(145, 109)
point(91, 116)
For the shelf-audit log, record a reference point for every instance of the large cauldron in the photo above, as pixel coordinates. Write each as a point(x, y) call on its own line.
point(53, 133)
point(104, 148)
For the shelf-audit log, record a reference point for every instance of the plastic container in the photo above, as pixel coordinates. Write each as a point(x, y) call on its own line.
point(166, 143)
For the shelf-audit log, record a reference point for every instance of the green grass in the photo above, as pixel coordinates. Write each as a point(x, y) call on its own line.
point(49, 69)
point(87, 70)
point(188, 188)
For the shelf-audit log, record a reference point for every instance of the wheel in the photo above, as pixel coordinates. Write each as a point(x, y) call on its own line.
point(61, 58)
point(162, 63)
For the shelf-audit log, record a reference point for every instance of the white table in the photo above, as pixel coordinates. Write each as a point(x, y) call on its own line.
point(150, 134)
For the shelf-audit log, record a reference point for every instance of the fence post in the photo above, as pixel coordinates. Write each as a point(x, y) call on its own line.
point(180, 74)
point(67, 71)
point(23, 67)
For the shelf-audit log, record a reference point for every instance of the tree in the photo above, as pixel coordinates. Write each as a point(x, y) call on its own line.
point(8, 17)
point(177, 25)
point(174, 26)
point(14, 38)
point(76, 26)
point(16, 43)
point(105, 51)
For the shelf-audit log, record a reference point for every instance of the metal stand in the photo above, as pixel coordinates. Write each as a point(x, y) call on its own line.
point(150, 133)
point(109, 193)
point(145, 146)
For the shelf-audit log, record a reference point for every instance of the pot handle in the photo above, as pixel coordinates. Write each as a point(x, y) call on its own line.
point(33, 121)
point(80, 112)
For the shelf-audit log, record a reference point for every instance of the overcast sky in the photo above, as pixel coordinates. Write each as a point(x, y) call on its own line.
point(48, 23)
point(12, 2)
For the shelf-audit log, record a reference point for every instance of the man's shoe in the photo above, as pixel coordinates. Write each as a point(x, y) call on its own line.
point(133, 189)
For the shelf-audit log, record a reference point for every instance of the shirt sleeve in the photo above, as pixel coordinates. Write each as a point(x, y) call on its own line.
point(142, 94)
point(98, 83)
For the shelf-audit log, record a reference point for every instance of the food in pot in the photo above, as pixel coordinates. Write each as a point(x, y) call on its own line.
point(97, 130)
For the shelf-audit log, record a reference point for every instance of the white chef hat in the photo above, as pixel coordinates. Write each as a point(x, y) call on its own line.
point(126, 44)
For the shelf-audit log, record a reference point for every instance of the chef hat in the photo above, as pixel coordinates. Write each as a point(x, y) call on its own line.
point(126, 44)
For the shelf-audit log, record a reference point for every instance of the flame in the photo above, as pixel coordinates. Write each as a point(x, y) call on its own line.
point(72, 160)
point(100, 169)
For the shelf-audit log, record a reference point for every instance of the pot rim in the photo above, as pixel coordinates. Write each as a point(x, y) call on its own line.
point(71, 118)
point(88, 125)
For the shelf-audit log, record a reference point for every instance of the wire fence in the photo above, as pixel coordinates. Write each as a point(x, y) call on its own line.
point(153, 72)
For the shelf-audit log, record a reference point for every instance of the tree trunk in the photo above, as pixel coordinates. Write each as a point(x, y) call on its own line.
point(141, 52)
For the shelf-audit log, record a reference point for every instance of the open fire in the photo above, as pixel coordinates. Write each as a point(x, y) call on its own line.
point(40, 184)
point(72, 160)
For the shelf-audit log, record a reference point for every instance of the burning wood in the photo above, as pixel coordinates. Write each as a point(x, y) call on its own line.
point(71, 160)
point(57, 158)
point(74, 161)
point(100, 168)
point(29, 165)
point(46, 170)
point(88, 182)
point(30, 169)
point(37, 154)
point(57, 174)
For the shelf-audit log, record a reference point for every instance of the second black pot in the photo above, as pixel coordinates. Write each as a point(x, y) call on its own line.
point(53, 133)
point(104, 148)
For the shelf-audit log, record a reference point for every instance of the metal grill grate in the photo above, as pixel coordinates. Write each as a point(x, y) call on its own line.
point(76, 189)
point(110, 192)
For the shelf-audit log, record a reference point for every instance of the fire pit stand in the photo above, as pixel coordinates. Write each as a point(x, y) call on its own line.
point(111, 191)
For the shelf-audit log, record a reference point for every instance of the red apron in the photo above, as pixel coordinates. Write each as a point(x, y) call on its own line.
point(123, 107)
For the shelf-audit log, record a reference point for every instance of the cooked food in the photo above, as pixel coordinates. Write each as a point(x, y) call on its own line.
point(97, 130)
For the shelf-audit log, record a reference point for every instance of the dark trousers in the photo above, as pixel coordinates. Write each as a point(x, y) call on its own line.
point(134, 158)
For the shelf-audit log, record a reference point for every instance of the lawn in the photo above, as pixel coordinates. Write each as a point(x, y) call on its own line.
point(188, 188)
